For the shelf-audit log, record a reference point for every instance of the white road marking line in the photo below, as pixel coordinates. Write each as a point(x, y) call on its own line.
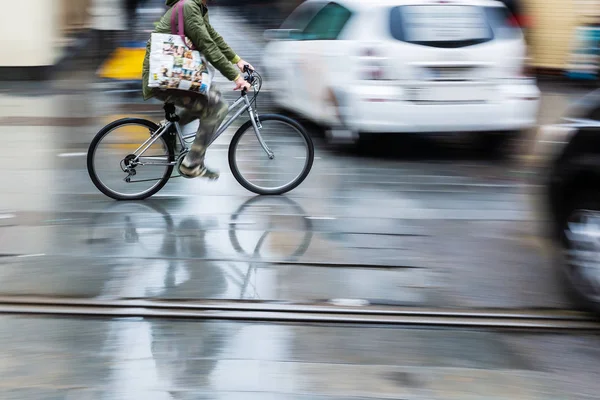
point(31, 255)
point(321, 218)
point(72, 154)
point(350, 302)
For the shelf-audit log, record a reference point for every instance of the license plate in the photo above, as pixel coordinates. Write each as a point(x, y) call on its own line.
point(448, 74)
point(449, 94)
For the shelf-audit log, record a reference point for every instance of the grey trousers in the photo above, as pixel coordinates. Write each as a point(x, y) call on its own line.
point(211, 109)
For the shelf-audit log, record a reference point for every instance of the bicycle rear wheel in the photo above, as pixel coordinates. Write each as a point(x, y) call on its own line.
point(292, 149)
point(112, 164)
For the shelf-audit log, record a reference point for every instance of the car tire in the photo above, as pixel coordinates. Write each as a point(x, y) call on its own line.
point(584, 293)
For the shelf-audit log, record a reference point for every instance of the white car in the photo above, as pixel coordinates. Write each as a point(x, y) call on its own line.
point(403, 66)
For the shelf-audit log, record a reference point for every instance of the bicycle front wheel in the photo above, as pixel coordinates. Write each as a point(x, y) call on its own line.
point(277, 165)
point(120, 167)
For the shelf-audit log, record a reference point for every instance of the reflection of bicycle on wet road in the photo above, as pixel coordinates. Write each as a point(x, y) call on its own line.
point(192, 261)
point(277, 220)
point(285, 235)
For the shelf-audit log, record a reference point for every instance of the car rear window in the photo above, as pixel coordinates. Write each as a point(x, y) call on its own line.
point(450, 26)
point(503, 23)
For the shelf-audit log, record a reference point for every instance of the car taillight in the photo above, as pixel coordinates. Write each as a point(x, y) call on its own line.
point(513, 22)
point(372, 65)
point(519, 21)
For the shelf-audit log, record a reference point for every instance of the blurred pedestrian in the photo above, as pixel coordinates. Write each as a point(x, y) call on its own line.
point(131, 7)
point(210, 108)
point(108, 21)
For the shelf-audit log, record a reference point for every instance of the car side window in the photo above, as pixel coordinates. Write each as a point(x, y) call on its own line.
point(302, 15)
point(328, 23)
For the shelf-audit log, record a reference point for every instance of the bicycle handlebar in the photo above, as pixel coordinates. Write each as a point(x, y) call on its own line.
point(248, 78)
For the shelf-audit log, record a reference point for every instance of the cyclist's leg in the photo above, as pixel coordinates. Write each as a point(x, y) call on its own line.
point(211, 110)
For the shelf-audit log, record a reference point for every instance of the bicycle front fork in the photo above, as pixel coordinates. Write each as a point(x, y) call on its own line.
point(255, 119)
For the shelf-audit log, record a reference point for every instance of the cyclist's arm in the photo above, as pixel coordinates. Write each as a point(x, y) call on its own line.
point(196, 31)
point(223, 46)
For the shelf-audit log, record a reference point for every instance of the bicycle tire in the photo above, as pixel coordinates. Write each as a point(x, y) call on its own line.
point(285, 188)
point(105, 131)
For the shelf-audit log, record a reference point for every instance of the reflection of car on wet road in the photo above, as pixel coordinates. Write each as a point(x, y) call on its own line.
point(392, 66)
point(573, 194)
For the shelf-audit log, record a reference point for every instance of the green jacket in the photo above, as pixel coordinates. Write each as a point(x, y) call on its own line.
point(198, 29)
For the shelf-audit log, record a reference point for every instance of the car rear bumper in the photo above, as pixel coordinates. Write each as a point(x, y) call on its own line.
point(383, 109)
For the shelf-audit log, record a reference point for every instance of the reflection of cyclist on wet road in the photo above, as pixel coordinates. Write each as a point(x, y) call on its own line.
point(185, 251)
point(188, 270)
point(188, 351)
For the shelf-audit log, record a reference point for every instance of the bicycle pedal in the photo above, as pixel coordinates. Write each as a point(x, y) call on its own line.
point(184, 175)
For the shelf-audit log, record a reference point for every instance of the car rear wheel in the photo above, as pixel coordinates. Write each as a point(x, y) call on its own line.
point(580, 229)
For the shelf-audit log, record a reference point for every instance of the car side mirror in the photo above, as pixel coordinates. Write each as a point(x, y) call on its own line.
point(282, 34)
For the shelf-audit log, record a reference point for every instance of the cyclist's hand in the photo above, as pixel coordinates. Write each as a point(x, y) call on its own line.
point(241, 83)
point(241, 64)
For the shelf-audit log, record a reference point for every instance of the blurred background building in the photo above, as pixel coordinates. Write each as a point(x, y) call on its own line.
point(557, 28)
point(38, 35)
point(563, 35)
point(34, 34)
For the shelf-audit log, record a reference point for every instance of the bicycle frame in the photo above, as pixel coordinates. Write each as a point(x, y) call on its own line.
point(246, 106)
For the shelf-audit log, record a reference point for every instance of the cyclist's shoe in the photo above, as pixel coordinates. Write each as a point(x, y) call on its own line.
point(198, 171)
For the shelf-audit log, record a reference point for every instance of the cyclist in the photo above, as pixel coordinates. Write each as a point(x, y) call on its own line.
point(211, 108)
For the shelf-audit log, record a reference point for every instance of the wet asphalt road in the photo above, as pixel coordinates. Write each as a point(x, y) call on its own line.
point(408, 221)
point(60, 358)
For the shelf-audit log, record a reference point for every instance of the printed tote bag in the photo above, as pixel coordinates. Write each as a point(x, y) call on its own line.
point(174, 62)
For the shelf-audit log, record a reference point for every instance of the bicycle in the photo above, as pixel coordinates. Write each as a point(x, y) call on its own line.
point(161, 142)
